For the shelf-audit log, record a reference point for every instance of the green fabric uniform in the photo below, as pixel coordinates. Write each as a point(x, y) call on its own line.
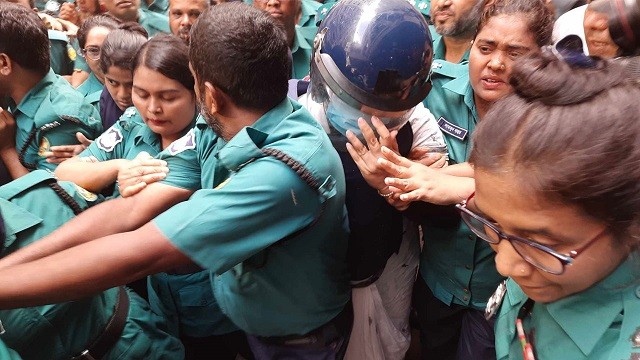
point(31, 209)
point(456, 265)
point(439, 48)
point(248, 203)
point(157, 6)
point(186, 301)
point(62, 53)
point(301, 51)
point(91, 90)
point(8, 354)
point(153, 22)
point(602, 322)
point(81, 64)
point(309, 8)
point(50, 114)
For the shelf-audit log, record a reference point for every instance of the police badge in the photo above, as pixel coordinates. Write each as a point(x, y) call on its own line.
point(495, 300)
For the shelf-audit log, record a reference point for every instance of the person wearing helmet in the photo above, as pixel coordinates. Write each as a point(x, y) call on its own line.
point(457, 269)
point(359, 83)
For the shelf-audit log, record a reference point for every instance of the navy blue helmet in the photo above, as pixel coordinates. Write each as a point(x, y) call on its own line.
point(373, 54)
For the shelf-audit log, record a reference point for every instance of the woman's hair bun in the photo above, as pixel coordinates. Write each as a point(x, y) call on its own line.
point(547, 77)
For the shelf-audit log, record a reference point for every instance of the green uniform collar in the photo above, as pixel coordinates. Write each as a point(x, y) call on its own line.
point(439, 49)
point(566, 310)
point(90, 86)
point(31, 102)
point(462, 87)
point(251, 138)
point(149, 137)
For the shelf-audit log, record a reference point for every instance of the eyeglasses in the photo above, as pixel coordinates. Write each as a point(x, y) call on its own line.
point(92, 52)
point(540, 256)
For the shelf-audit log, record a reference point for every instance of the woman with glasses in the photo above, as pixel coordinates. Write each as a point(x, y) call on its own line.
point(558, 199)
point(91, 35)
point(165, 110)
point(457, 271)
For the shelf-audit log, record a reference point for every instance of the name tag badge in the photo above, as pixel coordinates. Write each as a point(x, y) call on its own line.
point(453, 130)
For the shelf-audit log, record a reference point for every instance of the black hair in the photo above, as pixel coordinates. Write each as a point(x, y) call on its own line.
point(121, 46)
point(571, 135)
point(168, 55)
point(24, 38)
point(103, 20)
point(242, 51)
point(539, 17)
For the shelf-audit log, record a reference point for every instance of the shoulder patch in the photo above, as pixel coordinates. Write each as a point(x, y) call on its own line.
point(187, 142)
point(109, 139)
point(44, 146)
point(86, 194)
point(130, 112)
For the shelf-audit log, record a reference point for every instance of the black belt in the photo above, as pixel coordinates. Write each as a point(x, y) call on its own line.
point(320, 337)
point(99, 347)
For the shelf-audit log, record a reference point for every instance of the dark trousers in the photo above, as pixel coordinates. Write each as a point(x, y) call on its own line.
point(328, 342)
point(451, 332)
point(218, 347)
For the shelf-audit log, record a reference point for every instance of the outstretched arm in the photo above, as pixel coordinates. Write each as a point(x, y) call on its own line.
point(111, 217)
point(89, 268)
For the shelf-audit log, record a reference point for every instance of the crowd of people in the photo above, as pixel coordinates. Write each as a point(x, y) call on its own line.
point(302, 179)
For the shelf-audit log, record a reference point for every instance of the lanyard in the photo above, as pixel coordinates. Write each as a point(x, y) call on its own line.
point(527, 348)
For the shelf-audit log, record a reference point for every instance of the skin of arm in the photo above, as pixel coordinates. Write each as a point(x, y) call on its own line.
point(89, 268)
point(93, 176)
point(413, 181)
point(11, 161)
point(463, 169)
point(100, 221)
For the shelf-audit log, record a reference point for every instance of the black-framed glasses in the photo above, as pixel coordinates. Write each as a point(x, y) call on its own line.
point(540, 256)
point(92, 52)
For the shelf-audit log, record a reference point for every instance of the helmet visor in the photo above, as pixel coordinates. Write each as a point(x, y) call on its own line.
point(343, 116)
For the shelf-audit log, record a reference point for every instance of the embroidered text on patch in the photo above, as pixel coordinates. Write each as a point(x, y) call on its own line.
point(453, 130)
point(109, 139)
point(188, 141)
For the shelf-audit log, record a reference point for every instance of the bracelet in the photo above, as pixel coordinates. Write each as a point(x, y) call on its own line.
point(385, 195)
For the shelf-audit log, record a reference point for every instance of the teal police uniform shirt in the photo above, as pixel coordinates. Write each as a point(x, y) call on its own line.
point(81, 64)
point(187, 300)
point(62, 53)
point(308, 11)
point(50, 114)
point(457, 266)
point(8, 354)
point(31, 210)
point(156, 6)
point(301, 51)
point(602, 322)
point(91, 90)
point(153, 22)
point(250, 202)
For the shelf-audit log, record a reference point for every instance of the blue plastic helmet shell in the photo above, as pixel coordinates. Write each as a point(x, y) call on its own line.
point(374, 52)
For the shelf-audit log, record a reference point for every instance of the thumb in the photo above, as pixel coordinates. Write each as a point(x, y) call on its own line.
point(83, 139)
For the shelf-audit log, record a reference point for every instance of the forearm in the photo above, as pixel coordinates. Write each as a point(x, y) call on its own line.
point(111, 217)
point(11, 161)
point(463, 169)
point(88, 269)
point(91, 176)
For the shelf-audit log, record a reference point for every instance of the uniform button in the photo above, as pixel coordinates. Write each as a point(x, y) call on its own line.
point(470, 237)
point(638, 291)
point(466, 291)
point(468, 267)
point(465, 298)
